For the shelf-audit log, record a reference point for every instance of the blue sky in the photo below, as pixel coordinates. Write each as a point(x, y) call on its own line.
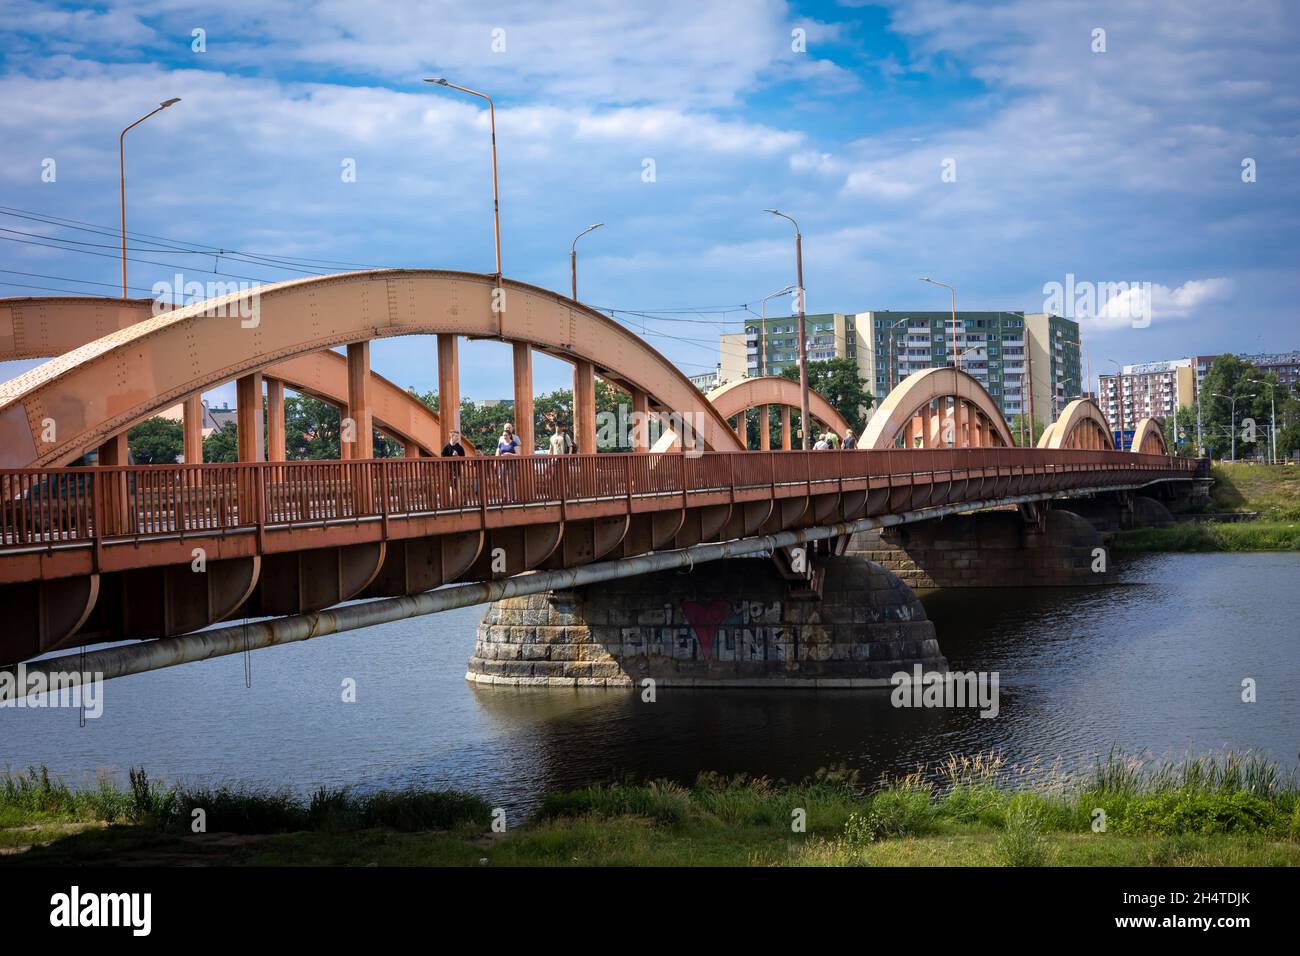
point(1115, 166)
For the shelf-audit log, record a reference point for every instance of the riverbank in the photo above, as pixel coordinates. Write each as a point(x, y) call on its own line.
point(1227, 810)
point(1261, 535)
point(1271, 492)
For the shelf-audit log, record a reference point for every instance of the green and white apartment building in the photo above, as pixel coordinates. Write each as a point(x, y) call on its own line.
point(1004, 350)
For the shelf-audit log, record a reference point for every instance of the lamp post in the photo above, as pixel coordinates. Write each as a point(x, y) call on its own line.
point(1119, 398)
point(803, 341)
point(121, 169)
point(1272, 401)
point(496, 195)
point(1232, 421)
point(573, 256)
point(762, 329)
point(953, 293)
point(893, 349)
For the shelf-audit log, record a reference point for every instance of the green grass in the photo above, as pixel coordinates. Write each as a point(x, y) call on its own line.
point(1271, 490)
point(1259, 535)
point(1224, 810)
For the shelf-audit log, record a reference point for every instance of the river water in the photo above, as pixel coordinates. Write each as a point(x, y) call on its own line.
point(1153, 664)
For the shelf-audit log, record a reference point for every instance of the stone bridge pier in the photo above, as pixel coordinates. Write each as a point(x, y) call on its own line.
point(1043, 547)
point(733, 623)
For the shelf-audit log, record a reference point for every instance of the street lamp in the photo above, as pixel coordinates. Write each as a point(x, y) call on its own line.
point(953, 292)
point(803, 341)
point(1119, 398)
point(573, 256)
point(762, 329)
point(121, 169)
point(496, 196)
point(893, 349)
point(1272, 401)
point(1232, 421)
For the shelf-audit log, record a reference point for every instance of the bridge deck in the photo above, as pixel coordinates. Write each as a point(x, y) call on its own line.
point(69, 521)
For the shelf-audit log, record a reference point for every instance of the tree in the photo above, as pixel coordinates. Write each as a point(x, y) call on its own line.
point(837, 380)
point(156, 441)
point(222, 444)
point(1016, 425)
point(1232, 377)
point(311, 429)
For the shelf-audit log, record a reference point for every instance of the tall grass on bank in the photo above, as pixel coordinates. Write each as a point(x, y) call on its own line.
point(828, 817)
point(1209, 536)
point(34, 796)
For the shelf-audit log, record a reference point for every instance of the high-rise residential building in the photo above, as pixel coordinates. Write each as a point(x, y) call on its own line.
point(1004, 350)
point(770, 348)
point(1148, 390)
point(1285, 364)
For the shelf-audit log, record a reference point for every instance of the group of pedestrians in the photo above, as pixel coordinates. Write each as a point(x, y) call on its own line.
point(561, 442)
point(829, 441)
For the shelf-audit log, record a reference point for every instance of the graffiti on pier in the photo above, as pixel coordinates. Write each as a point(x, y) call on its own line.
point(718, 630)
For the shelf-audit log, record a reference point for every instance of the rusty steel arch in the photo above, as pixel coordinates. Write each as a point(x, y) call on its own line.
point(97, 389)
point(34, 327)
point(1081, 424)
point(743, 394)
point(1149, 438)
point(918, 408)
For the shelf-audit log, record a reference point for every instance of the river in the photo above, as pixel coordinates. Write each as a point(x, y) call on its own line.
point(1153, 664)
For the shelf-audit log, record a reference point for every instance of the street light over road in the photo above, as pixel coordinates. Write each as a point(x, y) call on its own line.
point(492, 123)
point(953, 292)
point(573, 256)
point(803, 338)
point(762, 348)
point(1232, 421)
point(1272, 429)
point(121, 169)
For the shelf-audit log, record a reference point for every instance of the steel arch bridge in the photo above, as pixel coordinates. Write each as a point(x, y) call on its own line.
point(106, 553)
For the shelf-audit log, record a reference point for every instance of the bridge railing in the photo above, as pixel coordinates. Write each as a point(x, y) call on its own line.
point(63, 506)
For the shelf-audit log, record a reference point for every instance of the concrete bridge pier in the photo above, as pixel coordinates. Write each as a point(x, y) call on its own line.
point(1039, 546)
point(732, 623)
point(1122, 510)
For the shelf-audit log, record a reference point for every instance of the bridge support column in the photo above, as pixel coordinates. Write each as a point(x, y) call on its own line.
point(524, 398)
point(192, 428)
point(742, 428)
point(449, 384)
point(764, 428)
point(728, 624)
point(275, 450)
point(248, 402)
point(116, 501)
point(640, 420)
point(359, 403)
point(787, 440)
point(410, 450)
point(584, 406)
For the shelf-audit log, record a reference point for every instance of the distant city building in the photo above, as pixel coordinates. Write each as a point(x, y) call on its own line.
point(1148, 390)
point(212, 418)
point(889, 346)
point(1285, 364)
point(770, 349)
point(707, 381)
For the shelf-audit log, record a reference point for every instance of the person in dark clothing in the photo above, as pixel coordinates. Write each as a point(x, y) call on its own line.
point(453, 447)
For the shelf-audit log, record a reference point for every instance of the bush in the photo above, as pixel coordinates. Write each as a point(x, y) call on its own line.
point(1021, 842)
point(1189, 811)
point(893, 813)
